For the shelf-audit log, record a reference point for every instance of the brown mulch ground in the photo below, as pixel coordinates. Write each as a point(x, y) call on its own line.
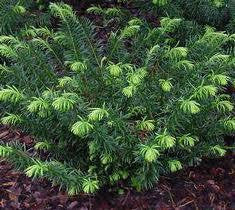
point(209, 186)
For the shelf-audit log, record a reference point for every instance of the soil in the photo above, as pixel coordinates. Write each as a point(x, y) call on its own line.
point(208, 186)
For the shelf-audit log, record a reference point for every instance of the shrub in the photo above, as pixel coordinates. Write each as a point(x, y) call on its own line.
point(217, 13)
point(133, 107)
point(15, 14)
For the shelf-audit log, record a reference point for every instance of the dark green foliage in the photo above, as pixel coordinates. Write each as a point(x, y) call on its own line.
point(216, 13)
point(211, 12)
point(16, 14)
point(145, 102)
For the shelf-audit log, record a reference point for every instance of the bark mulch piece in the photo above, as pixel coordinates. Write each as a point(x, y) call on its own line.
point(210, 186)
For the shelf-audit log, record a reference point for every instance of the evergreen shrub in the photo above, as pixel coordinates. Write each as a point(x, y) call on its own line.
point(130, 108)
point(216, 13)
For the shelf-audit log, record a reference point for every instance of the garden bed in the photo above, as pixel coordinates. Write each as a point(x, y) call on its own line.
point(208, 186)
point(130, 105)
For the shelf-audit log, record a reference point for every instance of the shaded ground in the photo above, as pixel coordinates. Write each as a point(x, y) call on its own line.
point(209, 186)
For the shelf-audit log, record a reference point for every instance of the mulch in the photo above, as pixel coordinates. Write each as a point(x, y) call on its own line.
point(208, 186)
